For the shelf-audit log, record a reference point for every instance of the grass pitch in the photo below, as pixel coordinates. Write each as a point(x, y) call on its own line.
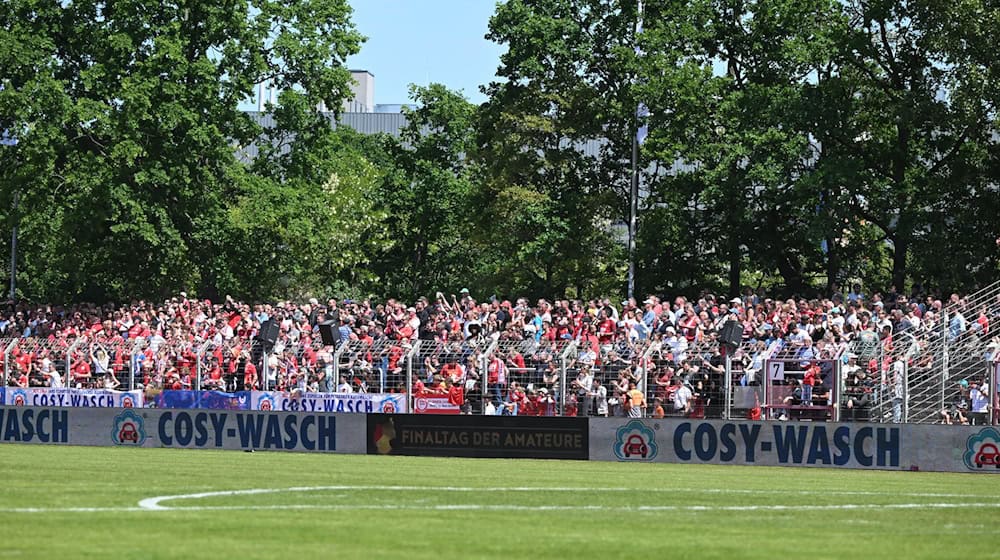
point(79, 502)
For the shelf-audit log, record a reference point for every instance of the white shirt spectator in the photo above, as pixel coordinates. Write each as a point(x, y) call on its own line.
point(601, 395)
point(54, 380)
point(682, 397)
point(980, 397)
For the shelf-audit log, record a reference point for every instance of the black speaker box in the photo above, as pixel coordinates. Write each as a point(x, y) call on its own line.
point(731, 333)
point(330, 333)
point(268, 334)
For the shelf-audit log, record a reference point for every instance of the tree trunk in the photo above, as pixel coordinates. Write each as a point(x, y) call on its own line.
point(791, 272)
point(735, 266)
point(832, 264)
point(900, 246)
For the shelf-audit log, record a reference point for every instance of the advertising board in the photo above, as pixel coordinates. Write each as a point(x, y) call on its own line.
point(389, 403)
point(190, 429)
point(434, 404)
point(91, 398)
point(806, 444)
point(478, 436)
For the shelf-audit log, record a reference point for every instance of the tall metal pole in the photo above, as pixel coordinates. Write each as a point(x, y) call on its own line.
point(633, 206)
point(633, 211)
point(727, 386)
point(13, 249)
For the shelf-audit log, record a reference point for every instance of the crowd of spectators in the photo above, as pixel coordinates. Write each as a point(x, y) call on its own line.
point(650, 357)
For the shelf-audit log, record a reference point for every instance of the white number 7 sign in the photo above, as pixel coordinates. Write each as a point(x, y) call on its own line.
point(776, 371)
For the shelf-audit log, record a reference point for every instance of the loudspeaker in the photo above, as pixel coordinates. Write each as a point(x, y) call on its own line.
point(731, 334)
point(329, 333)
point(268, 334)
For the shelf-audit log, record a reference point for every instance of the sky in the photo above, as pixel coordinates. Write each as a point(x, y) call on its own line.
point(425, 41)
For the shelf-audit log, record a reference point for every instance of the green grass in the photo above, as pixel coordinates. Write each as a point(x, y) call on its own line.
point(589, 522)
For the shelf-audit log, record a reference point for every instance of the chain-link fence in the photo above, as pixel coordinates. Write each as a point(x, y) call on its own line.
point(380, 366)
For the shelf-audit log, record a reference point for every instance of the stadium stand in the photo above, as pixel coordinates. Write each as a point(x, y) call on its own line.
point(561, 357)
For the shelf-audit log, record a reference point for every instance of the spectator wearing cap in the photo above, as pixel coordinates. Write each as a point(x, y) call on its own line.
point(678, 344)
point(979, 396)
point(957, 411)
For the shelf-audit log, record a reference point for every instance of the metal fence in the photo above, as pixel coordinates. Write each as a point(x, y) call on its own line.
point(896, 379)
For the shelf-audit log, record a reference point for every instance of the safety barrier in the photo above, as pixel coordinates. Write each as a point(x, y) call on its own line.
point(807, 444)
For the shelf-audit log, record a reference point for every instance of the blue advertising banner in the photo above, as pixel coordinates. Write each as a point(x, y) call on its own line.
point(854, 445)
point(190, 429)
point(91, 398)
point(388, 403)
point(216, 400)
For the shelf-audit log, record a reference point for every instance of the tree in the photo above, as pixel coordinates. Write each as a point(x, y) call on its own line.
point(915, 95)
point(427, 197)
point(567, 86)
point(127, 116)
point(724, 81)
point(315, 229)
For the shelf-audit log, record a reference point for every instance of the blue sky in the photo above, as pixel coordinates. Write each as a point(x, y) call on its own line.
point(424, 41)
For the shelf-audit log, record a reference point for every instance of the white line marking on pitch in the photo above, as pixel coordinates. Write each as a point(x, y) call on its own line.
point(508, 507)
point(154, 503)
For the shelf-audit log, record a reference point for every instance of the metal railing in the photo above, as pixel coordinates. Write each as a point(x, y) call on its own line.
point(909, 376)
point(953, 349)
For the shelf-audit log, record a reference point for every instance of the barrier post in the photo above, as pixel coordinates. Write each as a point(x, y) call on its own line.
point(485, 370)
point(264, 369)
point(6, 360)
point(837, 388)
point(337, 353)
point(409, 374)
point(945, 333)
point(727, 386)
point(563, 358)
point(645, 358)
point(995, 369)
point(199, 367)
point(69, 361)
point(905, 396)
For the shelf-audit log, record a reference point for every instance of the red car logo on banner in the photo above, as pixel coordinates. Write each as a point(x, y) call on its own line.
point(635, 445)
point(128, 433)
point(988, 455)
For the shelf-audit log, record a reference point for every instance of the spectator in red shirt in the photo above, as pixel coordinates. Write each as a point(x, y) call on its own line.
point(808, 380)
point(456, 397)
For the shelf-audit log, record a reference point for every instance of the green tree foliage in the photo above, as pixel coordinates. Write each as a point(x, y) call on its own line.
point(794, 143)
point(550, 209)
point(427, 198)
point(127, 115)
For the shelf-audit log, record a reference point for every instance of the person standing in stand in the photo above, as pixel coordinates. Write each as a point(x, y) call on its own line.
point(658, 411)
point(584, 387)
point(546, 404)
point(636, 401)
point(456, 397)
point(979, 395)
point(600, 397)
point(808, 380)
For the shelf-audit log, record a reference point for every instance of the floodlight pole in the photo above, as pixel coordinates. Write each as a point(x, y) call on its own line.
point(13, 249)
point(633, 201)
